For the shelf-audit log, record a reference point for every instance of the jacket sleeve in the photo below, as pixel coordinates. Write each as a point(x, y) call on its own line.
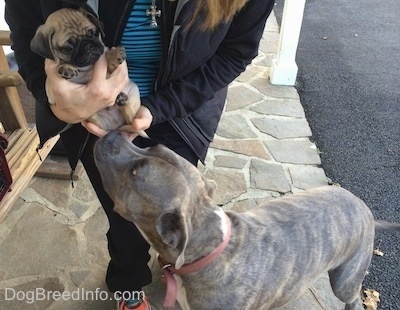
point(236, 49)
point(23, 18)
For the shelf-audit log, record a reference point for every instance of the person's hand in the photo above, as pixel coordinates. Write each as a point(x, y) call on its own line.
point(141, 122)
point(72, 102)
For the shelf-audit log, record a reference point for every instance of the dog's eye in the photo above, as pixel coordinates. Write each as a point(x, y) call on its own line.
point(134, 170)
point(69, 45)
point(138, 164)
point(93, 33)
point(71, 41)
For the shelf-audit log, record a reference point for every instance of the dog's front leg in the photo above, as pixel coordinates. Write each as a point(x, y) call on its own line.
point(129, 103)
point(115, 57)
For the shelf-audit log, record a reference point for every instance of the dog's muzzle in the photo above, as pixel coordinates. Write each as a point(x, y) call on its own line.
point(87, 52)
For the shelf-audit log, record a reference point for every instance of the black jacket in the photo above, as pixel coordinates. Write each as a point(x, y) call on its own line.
point(196, 67)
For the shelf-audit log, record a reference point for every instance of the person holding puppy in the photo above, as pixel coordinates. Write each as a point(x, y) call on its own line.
point(182, 54)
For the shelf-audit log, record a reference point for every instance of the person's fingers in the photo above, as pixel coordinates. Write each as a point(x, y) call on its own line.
point(51, 69)
point(107, 86)
point(49, 65)
point(52, 77)
point(99, 71)
point(129, 135)
point(140, 124)
point(142, 120)
point(120, 76)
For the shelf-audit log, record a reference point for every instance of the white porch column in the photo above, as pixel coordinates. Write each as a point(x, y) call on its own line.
point(3, 25)
point(284, 68)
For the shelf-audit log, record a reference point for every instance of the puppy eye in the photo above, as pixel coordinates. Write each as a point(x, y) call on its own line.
point(71, 41)
point(69, 45)
point(93, 33)
point(68, 48)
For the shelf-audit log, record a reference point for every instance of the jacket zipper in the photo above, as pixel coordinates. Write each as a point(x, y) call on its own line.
point(119, 27)
point(165, 53)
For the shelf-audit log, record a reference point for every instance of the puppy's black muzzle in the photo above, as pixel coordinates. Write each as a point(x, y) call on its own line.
point(87, 52)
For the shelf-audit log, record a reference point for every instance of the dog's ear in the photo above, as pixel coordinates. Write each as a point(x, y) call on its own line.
point(93, 19)
point(173, 231)
point(41, 42)
point(211, 186)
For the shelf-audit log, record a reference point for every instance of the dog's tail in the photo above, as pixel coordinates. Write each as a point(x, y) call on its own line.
point(383, 225)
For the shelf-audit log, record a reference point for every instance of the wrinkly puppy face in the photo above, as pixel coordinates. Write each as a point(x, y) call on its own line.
point(70, 36)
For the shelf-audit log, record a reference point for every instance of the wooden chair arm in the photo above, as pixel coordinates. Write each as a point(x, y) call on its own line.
point(5, 37)
point(10, 78)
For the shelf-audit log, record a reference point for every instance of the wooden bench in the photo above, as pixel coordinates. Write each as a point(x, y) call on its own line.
point(21, 154)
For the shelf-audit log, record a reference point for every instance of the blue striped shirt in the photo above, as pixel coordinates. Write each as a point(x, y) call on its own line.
point(143, 48)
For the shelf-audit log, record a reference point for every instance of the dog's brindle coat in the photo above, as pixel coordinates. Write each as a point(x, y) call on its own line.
point(276, 251)
point(73, 39)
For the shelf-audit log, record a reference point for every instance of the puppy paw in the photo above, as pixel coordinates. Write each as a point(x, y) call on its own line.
point(115, 57)
point(120, 54)
point(67, 71)
point(122, 99)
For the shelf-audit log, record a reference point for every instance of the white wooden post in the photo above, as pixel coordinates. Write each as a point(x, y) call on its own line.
point(4, 26)
point(284, 68)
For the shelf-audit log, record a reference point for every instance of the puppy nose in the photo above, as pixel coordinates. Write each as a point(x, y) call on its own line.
point(87, 46)
point(88, 52)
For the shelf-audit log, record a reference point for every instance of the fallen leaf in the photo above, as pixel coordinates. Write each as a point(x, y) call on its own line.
point(371, 299)
point(378, 252)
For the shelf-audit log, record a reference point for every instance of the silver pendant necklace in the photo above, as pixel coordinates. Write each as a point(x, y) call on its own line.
point(153, 12)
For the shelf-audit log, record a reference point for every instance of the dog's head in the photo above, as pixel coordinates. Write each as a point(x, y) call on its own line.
point(70, 36)
point(159, 191)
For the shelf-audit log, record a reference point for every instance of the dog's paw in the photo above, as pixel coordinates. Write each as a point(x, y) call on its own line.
point(67, 71)
point(120, 54)
point(122, 99)
point(115, 57)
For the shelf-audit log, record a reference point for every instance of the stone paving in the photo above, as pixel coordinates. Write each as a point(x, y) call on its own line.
point(53, 240)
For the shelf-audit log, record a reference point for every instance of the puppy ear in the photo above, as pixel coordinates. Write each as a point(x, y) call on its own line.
point(41, 42)
point(173, 231)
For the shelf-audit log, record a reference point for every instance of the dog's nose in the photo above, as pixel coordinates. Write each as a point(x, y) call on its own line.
point(107, 146)
point(87, 53)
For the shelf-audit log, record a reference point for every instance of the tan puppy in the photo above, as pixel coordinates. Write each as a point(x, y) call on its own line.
point(72, 38)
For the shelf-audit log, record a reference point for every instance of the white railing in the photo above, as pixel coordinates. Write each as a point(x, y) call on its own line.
point(284, 68)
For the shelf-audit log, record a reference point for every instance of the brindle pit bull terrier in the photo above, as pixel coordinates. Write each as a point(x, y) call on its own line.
point(272, 253)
